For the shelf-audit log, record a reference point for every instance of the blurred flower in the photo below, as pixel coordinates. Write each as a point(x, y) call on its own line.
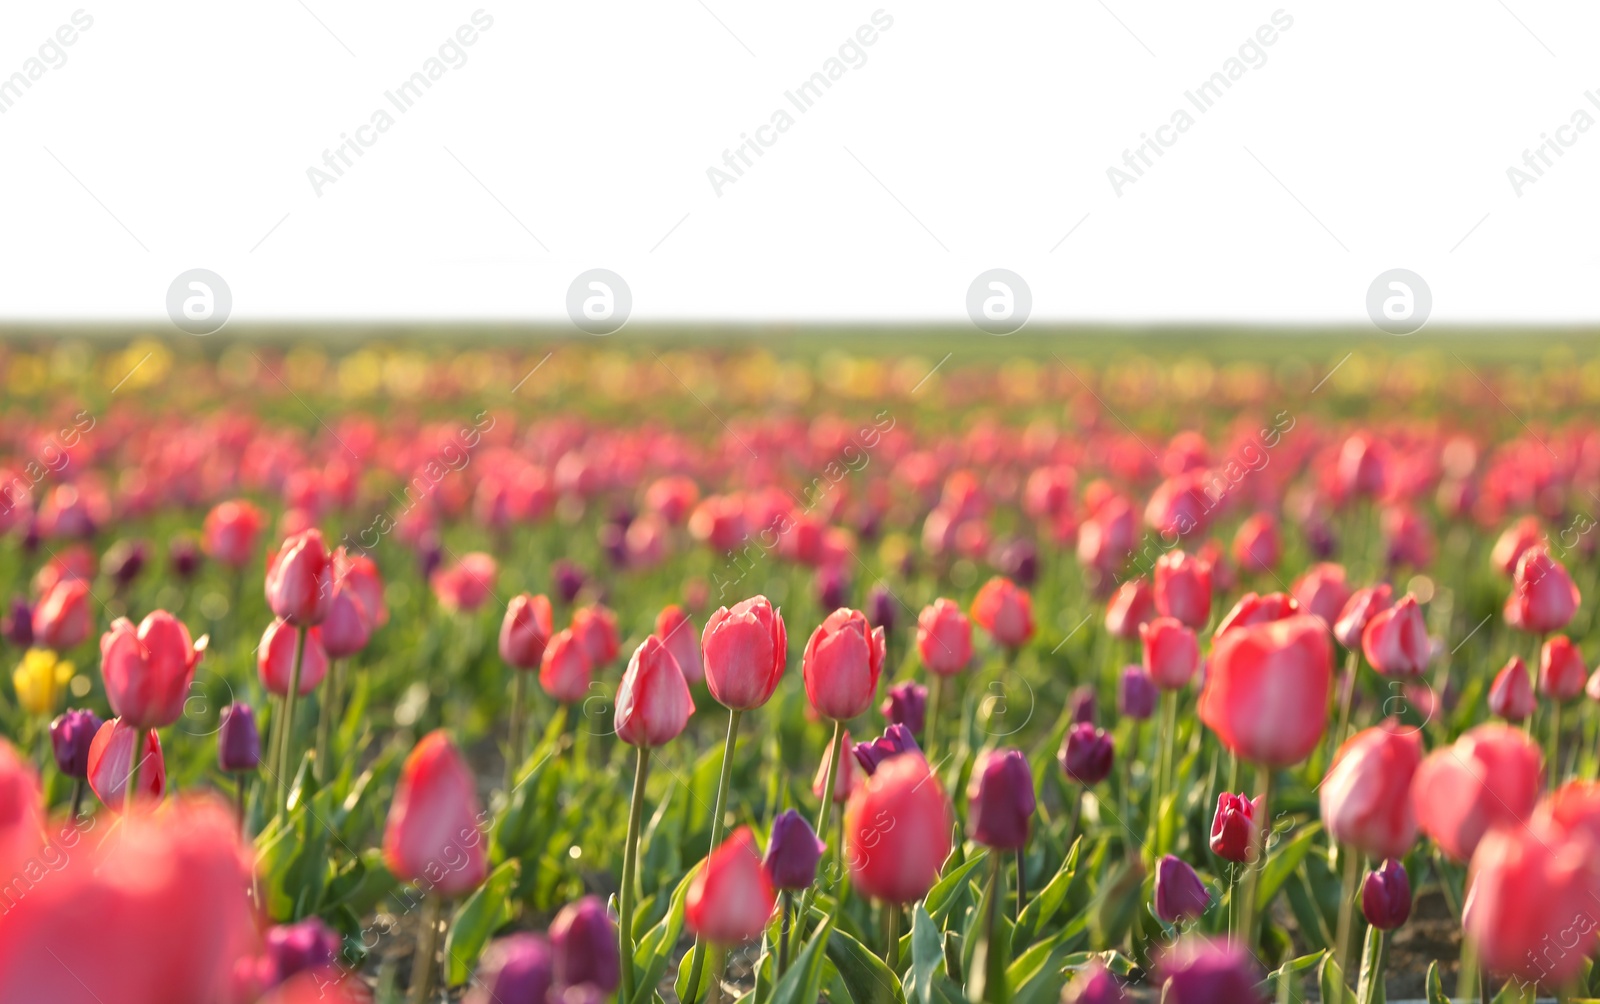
point(1000, 800)
point(1561, 670)
point(898, 863)
point(70, 736)
point(1255, 609)
point(1129, 608)
point(730, 898)
point(583, 942)
point(1005, 611)
point(432, 832)
point(1180, 895)
point(1171, 652)
point(1136, 693)
point(1266, 690)
point(677, 632)
point(793, 852)
point(17, 627)
point(895, 740)
point(1196, 971)
point(123, 561)
point(567, 579)
point(466, 585)
point(907, 704)
point(944, 638)
point(1489, 776)
point(1322, 592)
point(565, 670)
point(1395, 640)
point(595, 628)
point(231, 532)
point(1365, 798)
point(62, 619)
point(40, 680)
point(1358, 610)
point(238, 740)
point(516, 968)
point(847, 774)
point(300, 580)
point(1511, 693)
point(275, 659)
point(1086, 754)
point(525, 631)
point(1183, 588)
point(1543, 598)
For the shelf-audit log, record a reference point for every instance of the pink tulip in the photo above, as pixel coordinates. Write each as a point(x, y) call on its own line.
point(275, 659)
point(565, 671)
point(1266, 692)
point(653, 702)
point(944, 638)
point(897, 831)
point(1488, 776)
point(1366, 801)
point(676, 631)
point(1129, 607)
point(1396, 640)
point(433, 832)
point(148, 670)
point(1171, 652)
point(525, 631)
point(1183, 588)
point(1005, 611)
point(300, 580)
point(731, 898)
point(1561, 669)
point(746, 650)
point(841, 664)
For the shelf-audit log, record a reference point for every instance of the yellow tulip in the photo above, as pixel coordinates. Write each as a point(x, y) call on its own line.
point(39, 680)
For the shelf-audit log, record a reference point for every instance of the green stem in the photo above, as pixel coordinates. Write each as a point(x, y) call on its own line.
point(1022, 881)
point(325, 715)
point(135, 759)
point(1352, 665)
point(698, 956)
point(239, 790)
point(1552, 756)
point(930, 720)
point(977, 980)
point(427, 946)
point(1467, 972)
point(519, 689)
point(630, 867)
point(891, 940)
point(288, 721)
point(1347, 895)
point(786, 904)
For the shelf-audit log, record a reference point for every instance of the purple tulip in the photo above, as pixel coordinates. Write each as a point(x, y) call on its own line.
point(18, 624)
point(567, 579)
point(184, 556)
point(123, 561)
point(70, 736)
point(1209, 972)
point(792, 852)
point(882, 610)
point(297, 948)
point(1094, 985)
point(583, 942)
point(833, 587)
point(514, 968)
point(1136, 693)
point(238, 740)
point(1180, 895)
point(895, 740)
point(1386, 896)
point(907, 704)
point(1000, 800)
point(1084, 706)
point(1086, 754)
point(1018, 561)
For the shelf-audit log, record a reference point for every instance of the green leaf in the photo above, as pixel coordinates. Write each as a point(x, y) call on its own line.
point(944, 895)
point(1369, 986)
point(803, 982)
point(1042, 908)
point(991, 954)
point(484, 912)
point(1334, 990)
point(1281, 864)
point(1036, 976)
point(927, 957)
point(653, 952)
point(1436, 993)
point(868, 979)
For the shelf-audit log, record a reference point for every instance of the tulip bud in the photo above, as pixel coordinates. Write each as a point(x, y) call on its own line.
point(1396, 640)
point(275, 659)
point(238, 740)
point(1129, 608)
point(1136, 693)
point(1005, 611)
point(123, 561)
point(677, 633)
point(1171, 652)
point(348, 627)
point(793, 852)
point(300, 580)
point(653, 702)
point(832, 587)
point(304, 947)
point(432, 832)
point(1094, 984)
point(184, 557)
point(62, 619)
point(1513, 542)
point(1543, 597)
point(1255, 609)
point(148, 671)
point(897, 831)
point(1183, 588)
point(730, 899)
point(1511, 693)
point(583, 943)
point(1561, 669)
point(70, 736)
point(1256, 546)
point(595, 627)
point(847, 774)
point(565, 671)
point(40, 680)
point(841, 664)
point(1360, 608)
point(1234, 828)
point(882, 608)
point(567, 579)
point(1000, 800)
point(514, 968)
point(907, 704)
point(1386, 896)
point(18, 624)
point(895, 740)
point(746, 650)
point(944, 638)
point(1196, 971)
point(1180, 895)
point(1322, 592)
point(231, 531)
point(1489, 776)
point(111, 761)
point(525, 631)
point(1086, 754)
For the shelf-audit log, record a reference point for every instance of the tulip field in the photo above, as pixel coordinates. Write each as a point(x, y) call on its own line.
point(880, 670)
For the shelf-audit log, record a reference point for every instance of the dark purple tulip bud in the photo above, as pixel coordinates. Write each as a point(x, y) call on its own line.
point(18, 624)
point(1386, 896)
point(882, 609)
point(567, 579)
point(583, 941)
point(907, 704)
point(70, 736)
point(1094, 985)
point(1086, 754)
point(614, 543)
point(238, 741)
point(868, 524)
point(297, 948)
point(123, 561)
point(1320, 540)
point(1019, 562)
point(833, 587)
point(31, 538)
point(183, 555)
point(1083, 705)
point(1000, 800)
point(792, 852)
point(1136, 693)
point(430, 555)
point(516, 968)
point(895, 740)
point(1196, 971)
point(1180, 895)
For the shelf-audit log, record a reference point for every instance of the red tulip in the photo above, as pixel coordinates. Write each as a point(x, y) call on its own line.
point(1511, 693)
point(1180, 505)
point(1561, 669)
point(1234, 827)
point(1129, 607)
point(595, 627)
point(62, 619)
point(1573, 808)
point(1543, 598)
point(348, 627)
point(111, 761)
point(676, 631)
point(565, 670)
point(730, 899)
point(897, 831)
point(1266, 692)
point(1488, 776)
point(466, 585)
point(23, 817)
point(944, 638)
point(525, 631)
point(1360, 608)
point(672, 498)
point(156, 915)
point(718, 521)
point(1514, 542)
point(1171, 652)
point(231, 533)
point(847, 774)
point(275, 659)
point(433, 833)
point(148, 671)
point(653, 702)
point(1530, 904)
point(841, 664)
point(1183, 588)
point(359, 573)
point(1322, 591)
point(1366, 801)
point(1256, 545)
point(1254, 609)
point(1005, 611)
point(746, 650)
point(1395, 640)
point(300, 580)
